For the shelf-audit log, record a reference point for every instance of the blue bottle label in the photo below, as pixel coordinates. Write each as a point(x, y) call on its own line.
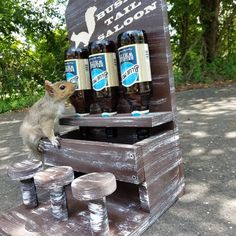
point(134, 64)
point(128, 66)
point(77, 72)
point(103, 69)
point(71, 70)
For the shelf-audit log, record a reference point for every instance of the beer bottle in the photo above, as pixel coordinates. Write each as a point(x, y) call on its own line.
point(104, 75)
point(135, 70)
point(77, 71)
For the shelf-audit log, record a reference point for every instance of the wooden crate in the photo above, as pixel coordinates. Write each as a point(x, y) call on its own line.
point(154, 163)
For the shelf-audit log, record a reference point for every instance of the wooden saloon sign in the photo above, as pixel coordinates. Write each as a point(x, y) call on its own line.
point(89, 20)
point(135, 180)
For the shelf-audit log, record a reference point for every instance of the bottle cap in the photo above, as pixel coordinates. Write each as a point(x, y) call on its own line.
point(108, 114)
point(140, 113)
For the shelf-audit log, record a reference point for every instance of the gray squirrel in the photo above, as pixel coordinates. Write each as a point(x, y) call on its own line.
point(40, 120)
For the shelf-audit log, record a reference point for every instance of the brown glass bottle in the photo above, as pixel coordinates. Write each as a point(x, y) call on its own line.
point(135, 70)
point(104, 75)
point(77, 71)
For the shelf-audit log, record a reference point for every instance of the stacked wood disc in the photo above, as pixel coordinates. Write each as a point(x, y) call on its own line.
point(94, 188)
point(55, 179)
point(25, 169)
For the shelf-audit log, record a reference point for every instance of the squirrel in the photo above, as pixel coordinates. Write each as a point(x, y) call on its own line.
point(43, 115)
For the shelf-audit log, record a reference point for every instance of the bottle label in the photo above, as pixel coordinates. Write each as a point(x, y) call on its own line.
point(77, 72)
point(134, 64)
point(103, 68)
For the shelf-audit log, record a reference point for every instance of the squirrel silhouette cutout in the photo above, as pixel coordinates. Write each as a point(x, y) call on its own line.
point(84, 37)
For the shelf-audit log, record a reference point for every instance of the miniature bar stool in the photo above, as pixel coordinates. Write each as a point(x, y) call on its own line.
point(94, 187)
point(55, 179)
point(24, 172)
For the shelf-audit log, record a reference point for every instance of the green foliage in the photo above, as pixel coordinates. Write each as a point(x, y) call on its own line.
point(223, 67)
point(32, 44)
point(33, 39)
point(16, 103)
point(192, 25)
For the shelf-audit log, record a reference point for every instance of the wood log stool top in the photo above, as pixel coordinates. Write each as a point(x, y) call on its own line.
point(54, 177)
point(93, 186)
point(24, 170)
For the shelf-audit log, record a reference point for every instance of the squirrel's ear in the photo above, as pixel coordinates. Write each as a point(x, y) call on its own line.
point(49, 87)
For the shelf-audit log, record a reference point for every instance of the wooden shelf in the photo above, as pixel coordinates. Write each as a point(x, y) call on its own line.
point(119, 120)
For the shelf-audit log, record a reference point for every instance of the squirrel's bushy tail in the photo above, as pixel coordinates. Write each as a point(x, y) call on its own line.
point(31, 139)
point(34, 151)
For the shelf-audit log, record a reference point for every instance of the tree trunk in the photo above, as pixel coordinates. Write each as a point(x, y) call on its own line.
point(184, 42)
point(209, 19)
point(184, 34)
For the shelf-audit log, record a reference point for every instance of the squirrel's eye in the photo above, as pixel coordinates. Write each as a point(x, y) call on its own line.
point(62, 87)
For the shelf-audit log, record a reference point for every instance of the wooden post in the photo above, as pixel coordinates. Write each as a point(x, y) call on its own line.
point(55, 179)
point(29, 194)
point(98, 217)
point(59, 203)
point(94, 188)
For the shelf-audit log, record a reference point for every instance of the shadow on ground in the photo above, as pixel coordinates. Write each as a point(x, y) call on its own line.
point(207, 122)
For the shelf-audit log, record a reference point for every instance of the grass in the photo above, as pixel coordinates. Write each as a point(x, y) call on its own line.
point(18, 103)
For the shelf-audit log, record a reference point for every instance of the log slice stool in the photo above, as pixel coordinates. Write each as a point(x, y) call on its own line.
point(24, 172)
point(55, 179)
point(94, 188)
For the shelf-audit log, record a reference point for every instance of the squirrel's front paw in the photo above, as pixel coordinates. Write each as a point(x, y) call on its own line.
point(40, 146)
point(55, 142)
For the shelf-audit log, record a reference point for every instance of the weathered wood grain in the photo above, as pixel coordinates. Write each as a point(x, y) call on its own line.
point(29, 193)
point(125, 216)
point(119, 120)
point(93, 186)
point(99, 222)
point(157, 141)
point(87, 156)
point(163, 162)
point(55, 179)
point(57, 176)
point(158, 188)
point(25, 169)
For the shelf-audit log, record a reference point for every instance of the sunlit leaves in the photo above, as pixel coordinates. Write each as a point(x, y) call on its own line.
point(32, 46)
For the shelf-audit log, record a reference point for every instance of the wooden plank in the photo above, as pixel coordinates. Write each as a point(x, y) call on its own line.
point(163, 162)
point(161, 186)
point(158, 140)
point(124, 161)
point(119, 120)
point(149, 201)
point(168, 199)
